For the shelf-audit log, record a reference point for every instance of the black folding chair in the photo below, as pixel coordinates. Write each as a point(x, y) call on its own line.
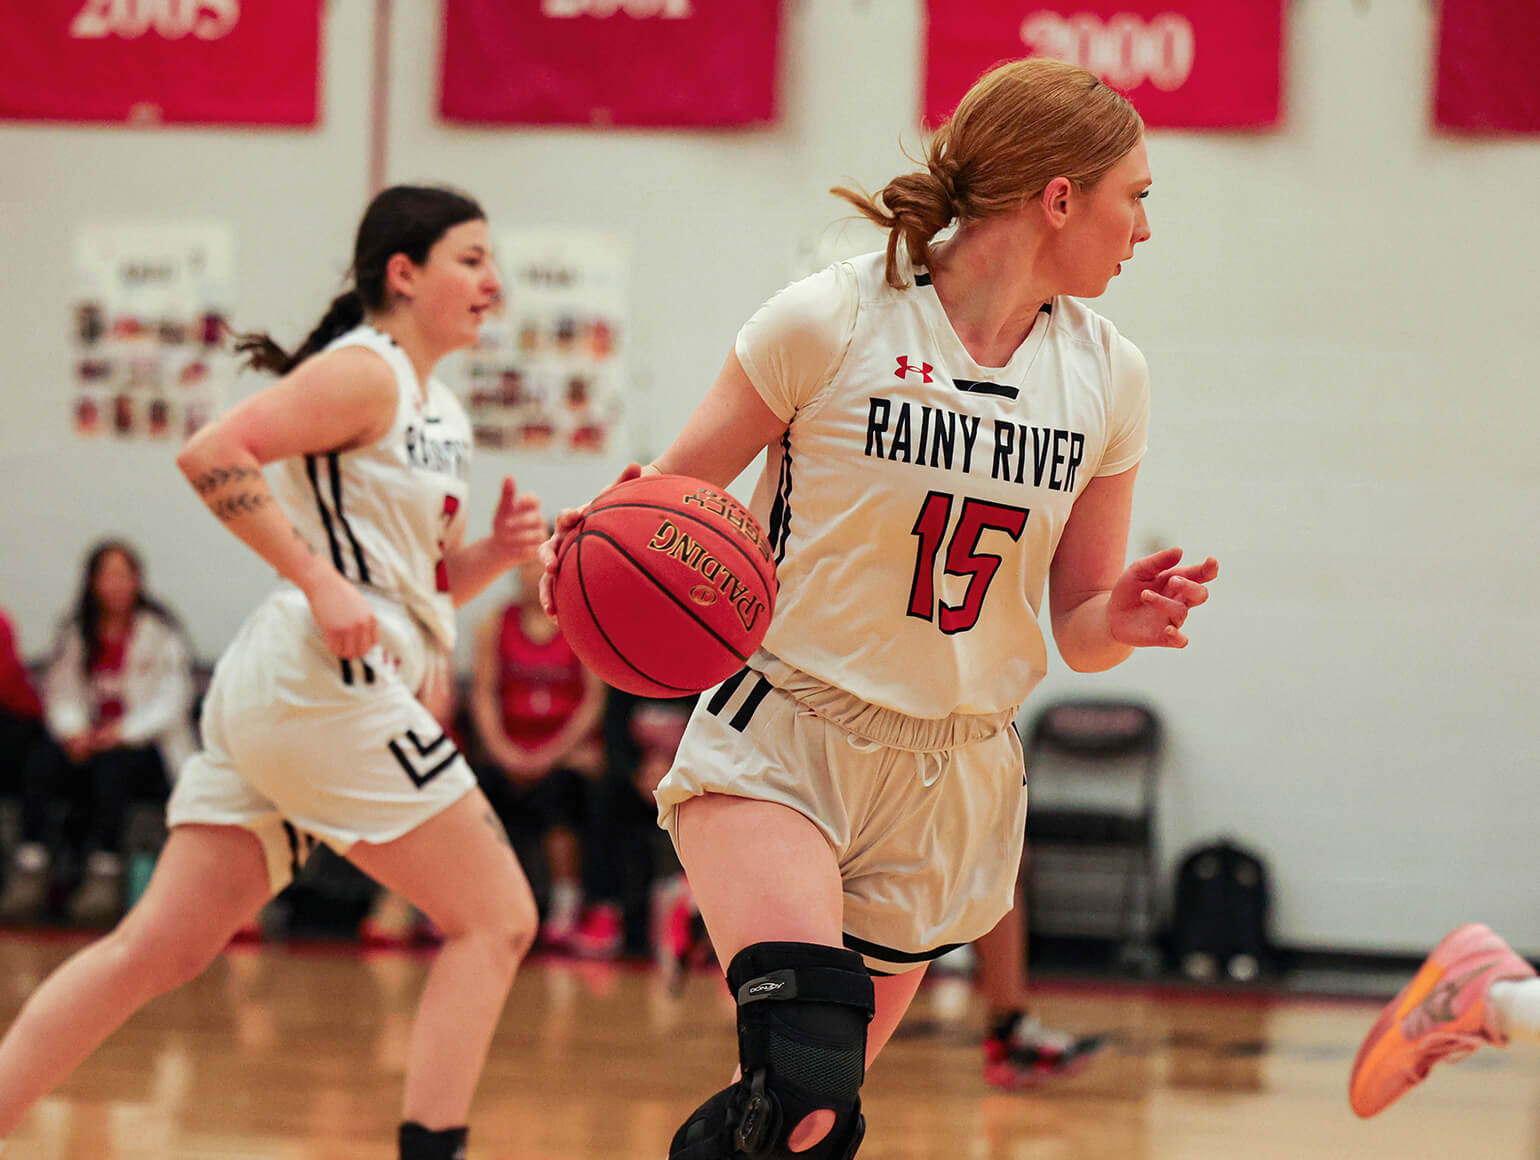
point(1092, 770)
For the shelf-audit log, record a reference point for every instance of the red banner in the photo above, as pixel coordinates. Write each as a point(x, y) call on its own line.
point(610, 62)
point(177, 61)
point(1488, 73)
point(1184, 63)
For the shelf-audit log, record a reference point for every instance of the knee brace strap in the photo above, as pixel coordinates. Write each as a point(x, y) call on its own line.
point(802, 1015)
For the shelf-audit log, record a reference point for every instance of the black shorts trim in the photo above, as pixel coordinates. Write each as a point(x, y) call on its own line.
point(750, 705)
point(424, 751)
point(889, 955)
point(725, 691)
point(301, 844)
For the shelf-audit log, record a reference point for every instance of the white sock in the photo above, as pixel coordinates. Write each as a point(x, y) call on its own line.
point(566, 900)
point(1516, 1003)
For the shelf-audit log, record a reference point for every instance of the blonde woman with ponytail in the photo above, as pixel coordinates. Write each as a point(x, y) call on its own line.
point(949, 430)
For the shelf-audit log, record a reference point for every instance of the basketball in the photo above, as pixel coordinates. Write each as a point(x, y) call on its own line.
point(666, 586)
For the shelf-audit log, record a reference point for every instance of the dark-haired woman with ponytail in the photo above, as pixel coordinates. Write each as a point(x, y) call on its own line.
point(949, 430)
point(313, 729)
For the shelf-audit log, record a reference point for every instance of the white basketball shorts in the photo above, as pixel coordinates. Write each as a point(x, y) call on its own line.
point(300, 746)
point(925, 818)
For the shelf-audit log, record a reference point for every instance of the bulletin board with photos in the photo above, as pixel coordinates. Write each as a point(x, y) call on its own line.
point(548, 371)
point(147, 327)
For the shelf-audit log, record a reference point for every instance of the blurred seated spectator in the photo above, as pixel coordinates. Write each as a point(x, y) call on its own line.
point(535, 709)
point(639, 901)
point(117, 702)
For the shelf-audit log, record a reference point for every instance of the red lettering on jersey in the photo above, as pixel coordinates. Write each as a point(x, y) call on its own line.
point(441, 568)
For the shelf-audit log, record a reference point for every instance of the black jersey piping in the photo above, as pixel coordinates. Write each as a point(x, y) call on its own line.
point(334, 467)
point(780, 509)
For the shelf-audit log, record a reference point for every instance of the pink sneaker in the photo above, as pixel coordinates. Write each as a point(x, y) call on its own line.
point(1440, 1015)
point(686, 945)
point(556, 934)
point(563, 912)
point(1021, 1052)
point(598, 934)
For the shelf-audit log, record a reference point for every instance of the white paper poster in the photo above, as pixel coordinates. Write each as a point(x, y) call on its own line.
point(549, 371)
point(149, 317)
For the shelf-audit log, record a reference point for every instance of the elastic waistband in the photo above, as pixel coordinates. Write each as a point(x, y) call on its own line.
point(875, 723)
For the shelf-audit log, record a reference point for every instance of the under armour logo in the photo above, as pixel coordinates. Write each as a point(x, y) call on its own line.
point(923, 370)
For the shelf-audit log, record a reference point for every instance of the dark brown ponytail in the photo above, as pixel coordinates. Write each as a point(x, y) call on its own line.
point(404, 219)
point(263, 354)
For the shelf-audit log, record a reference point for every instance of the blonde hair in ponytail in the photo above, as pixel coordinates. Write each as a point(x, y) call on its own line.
point(1021, 125)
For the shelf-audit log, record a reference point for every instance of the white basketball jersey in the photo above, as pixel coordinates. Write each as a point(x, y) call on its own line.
point(917, 499)
point(384, 512)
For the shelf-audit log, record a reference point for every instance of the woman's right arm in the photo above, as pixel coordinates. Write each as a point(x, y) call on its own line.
point(726, 431)
point(331, 402)
point(722, 436)
point(783, 356)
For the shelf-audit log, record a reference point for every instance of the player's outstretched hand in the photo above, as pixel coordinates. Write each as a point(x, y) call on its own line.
point(344, 616)
point(518, 528)
point(550, 551)
point(1151, 599)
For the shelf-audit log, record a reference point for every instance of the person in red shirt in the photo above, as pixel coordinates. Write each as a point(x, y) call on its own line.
point(535, 708)
point(116, 697)
point(18, 699)
point(633, 868)
point(21, 725)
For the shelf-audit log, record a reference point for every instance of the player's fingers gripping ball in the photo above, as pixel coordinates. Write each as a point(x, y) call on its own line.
point(666, 586)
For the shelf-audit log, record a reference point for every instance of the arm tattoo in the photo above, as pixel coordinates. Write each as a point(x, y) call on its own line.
point(246, 503)
point(497, 828)
point(215, 478)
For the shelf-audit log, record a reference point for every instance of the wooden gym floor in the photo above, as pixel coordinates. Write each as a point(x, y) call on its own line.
point(296, 1054)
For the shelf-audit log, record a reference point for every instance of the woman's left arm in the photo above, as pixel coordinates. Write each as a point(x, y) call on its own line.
point(518, 529)
point(1102, 611)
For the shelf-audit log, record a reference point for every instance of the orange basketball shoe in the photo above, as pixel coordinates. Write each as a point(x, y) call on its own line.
point(1441, 1014)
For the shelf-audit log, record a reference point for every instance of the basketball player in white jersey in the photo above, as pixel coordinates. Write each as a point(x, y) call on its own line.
point(950, 430)
point(312, 727)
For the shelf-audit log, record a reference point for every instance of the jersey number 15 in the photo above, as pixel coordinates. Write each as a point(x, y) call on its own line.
point(962, 556)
